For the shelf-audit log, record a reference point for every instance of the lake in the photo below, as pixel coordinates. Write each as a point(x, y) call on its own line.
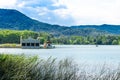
point(89, 54)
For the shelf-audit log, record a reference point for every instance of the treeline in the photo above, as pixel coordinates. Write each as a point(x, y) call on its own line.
point(13, 36)
point(100, 40)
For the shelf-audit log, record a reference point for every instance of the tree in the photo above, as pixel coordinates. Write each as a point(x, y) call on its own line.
point(115, 42)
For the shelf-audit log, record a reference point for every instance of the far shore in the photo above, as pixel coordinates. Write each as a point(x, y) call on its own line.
point(10, 45)
point(14, 45)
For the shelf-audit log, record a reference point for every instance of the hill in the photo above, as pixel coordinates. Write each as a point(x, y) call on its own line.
point(113, 29)
point(15, 20)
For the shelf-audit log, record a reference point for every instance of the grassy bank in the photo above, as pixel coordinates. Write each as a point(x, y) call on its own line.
point(14, 67)
point(8, 45)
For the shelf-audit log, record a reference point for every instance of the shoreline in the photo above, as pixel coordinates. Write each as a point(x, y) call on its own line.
point(19, 46)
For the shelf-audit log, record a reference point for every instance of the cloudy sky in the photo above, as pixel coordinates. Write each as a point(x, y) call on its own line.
point(68, 12)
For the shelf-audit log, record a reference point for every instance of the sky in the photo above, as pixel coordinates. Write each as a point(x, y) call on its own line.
point(68, 12)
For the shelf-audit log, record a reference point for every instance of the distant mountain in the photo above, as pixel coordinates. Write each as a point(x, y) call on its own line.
point(15, 20)
point(114, 29)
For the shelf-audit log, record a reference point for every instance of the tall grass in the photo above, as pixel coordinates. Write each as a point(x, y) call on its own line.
point(8, 45)
point(14, 67)
point(51, 70)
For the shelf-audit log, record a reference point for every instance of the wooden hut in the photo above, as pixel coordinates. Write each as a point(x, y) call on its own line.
point(30, 43)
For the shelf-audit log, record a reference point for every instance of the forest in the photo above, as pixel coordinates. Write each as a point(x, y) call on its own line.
point(13, 36)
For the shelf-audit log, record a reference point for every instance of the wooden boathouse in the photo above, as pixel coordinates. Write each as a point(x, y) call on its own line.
point(30, 43)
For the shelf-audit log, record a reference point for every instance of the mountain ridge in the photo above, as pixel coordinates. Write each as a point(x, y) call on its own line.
point(104, 27)
point(15, 20)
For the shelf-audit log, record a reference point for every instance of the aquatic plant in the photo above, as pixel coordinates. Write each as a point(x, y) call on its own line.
point(20, 67)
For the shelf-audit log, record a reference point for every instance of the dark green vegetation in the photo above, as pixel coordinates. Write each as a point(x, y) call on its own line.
point(13, 36)
point(114, 29)
point(100, 40)
point(14, 67)
point(15, 20)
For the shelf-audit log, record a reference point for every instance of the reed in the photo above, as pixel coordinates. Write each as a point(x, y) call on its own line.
point(7, 45)
point(20, 67)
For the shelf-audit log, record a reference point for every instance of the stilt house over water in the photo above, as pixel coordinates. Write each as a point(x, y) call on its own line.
point(30, 43)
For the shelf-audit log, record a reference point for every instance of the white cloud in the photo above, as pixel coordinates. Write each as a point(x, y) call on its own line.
point(63, 13)
point(68, 12)
point(93, 11)
point(7, 3)
point(21, 5)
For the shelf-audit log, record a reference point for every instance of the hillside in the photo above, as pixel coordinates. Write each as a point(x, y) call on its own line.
point(114, 29)
point(15, 20)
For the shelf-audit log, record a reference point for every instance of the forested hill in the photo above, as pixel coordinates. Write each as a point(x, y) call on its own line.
point(15, 20)
point(114, 29)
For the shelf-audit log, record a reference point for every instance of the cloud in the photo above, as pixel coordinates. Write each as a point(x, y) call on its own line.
point(93, 11)
point(46, 11)
point(7, 3)
point(68, 12)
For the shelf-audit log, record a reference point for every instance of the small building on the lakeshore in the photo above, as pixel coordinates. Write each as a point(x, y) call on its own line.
point(47, 44)
point(30, 43)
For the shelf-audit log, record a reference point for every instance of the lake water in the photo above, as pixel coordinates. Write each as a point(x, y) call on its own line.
point(89, 54)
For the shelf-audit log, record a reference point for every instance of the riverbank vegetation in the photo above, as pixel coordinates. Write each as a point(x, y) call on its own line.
point(14, 67)
point(8, 45)
point(13, 36)
point(19, 67)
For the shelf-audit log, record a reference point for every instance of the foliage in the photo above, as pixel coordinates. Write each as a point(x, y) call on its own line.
point(91, 40)
point(10, 45)
point(20, 67)
point(13, 36)
point(14, 67)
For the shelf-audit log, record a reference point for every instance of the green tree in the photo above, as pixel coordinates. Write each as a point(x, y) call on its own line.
point(115, 42)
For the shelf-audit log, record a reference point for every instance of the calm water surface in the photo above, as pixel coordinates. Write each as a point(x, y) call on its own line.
point(89, 54)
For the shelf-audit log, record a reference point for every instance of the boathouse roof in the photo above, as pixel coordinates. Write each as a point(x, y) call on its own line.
point(30, 40)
